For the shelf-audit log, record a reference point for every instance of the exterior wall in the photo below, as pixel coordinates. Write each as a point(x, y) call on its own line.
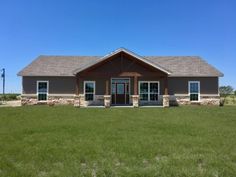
point(179, 85)
point(61, 90)
point(57, 85)
point(178, 89)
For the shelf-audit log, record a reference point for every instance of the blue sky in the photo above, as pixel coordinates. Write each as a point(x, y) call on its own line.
point(29, 28)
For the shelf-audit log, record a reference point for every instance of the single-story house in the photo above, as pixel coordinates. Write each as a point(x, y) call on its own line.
point(120, 78)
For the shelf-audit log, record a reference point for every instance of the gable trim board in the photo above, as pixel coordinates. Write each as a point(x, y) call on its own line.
point(63, 74)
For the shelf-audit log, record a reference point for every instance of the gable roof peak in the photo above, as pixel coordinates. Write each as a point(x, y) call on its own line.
point(138, 57)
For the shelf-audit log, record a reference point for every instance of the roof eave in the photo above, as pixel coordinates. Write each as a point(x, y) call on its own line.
point(221, 75)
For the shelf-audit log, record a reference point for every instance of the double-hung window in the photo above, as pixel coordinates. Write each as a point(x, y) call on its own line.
point(148, 90)
point(194, 90)
point(42, 90)
point(89, 90)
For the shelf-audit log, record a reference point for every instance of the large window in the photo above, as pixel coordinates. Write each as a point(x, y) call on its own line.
point(89, 90)
point(42, 90)
point(194, 90)
point(148, 90)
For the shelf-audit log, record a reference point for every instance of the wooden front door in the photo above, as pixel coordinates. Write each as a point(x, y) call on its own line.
point(120, 92)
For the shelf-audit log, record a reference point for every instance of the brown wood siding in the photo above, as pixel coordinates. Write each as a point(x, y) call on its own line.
point(57, 85)
point(179, 85)
point(120, 66)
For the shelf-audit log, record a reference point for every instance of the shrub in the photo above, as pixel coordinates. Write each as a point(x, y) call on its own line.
point(8, 97)
point(222, 101)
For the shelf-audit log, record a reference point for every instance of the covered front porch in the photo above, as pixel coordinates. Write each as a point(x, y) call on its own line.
point(122, 79)
point(123, 91)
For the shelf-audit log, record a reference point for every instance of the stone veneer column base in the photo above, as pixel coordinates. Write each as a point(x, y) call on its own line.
point(135, 99)
point(82, 101)
point(77, 101)
point(166, 101)
point(107, 101)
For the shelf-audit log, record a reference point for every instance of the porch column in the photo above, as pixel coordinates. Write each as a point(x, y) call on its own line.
point(166, 97)
point(77, 97)
point(107, 96)
point(135, 85)
point(79, 100)
point(77, 85)
point(107, 87)
point(135, 97)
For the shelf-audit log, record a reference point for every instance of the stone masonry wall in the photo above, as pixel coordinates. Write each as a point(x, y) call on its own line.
point(185, 100)
point(99, 100)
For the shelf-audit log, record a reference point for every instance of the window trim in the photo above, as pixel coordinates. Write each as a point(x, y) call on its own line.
point(139, 83)
point(42, 81)
point(199, 92)
point(94, 90)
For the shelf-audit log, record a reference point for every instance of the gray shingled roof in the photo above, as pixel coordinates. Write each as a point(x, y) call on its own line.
point(186, 66)
point(65, 66)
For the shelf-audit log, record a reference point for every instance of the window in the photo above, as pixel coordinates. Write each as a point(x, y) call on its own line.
point(194, 90)
point(148, 90)
point(42, 90)
point(89, 90)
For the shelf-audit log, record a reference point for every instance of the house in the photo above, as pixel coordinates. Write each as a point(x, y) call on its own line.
point(120, 78)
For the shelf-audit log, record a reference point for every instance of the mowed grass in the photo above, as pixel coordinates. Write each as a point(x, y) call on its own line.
point(68, 142)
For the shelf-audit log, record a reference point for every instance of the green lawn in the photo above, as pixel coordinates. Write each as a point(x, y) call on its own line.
point(68, 142)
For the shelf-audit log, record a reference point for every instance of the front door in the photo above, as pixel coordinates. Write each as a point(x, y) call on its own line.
point(120, 91)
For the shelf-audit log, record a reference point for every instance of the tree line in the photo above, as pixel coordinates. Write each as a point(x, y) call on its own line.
point(227, 90)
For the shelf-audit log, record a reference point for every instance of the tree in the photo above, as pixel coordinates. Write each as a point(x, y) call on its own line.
point(226, 90)
point(234, 92)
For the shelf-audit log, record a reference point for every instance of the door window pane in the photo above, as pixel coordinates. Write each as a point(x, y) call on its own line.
point(120, 89)
point(113, 88)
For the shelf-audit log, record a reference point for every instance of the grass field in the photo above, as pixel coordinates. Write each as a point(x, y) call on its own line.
point(68, 142)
